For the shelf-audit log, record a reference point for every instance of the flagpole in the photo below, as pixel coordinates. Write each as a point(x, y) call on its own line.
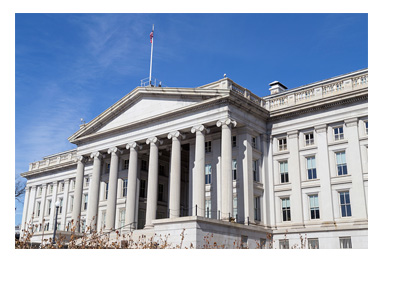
point(151, 57)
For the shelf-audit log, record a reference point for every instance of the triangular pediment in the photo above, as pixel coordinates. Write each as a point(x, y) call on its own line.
point(142, 104)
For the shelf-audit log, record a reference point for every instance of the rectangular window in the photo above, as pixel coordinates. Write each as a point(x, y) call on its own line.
point(345, 206)
point(208, 207)
point(87, 180)
point(338, 133)
point(311, 168)
point(284, 171)
point(314, 206)
point(282, 144)
point(62, 188)
point(309, 138)
point(51, 189)
point(284, 244)
point(161, 170)
point(233, 141)
point(40, 192)
point(106, 191)
point(208, 146)
point(345, 242)
point(366, 127)
point(48, 207)
point(254, 142)
point(313, 243)
point(108, 167)
point(341, 163)
point(61, 206)
point(122, 218)
point(142, 191)
point(144, 165)
point(208, 173)
point(255, 171)
point(126, 164)
point(286, 209)
point(160, 196)
point(85, 201)
point(257, 209)
point(38, 209)
point(125, 187)
point(234, 169)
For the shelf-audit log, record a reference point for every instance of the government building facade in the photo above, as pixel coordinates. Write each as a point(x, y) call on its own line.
point(218, 163)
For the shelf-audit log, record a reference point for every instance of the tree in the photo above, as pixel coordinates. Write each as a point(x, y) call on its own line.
point(19, 188)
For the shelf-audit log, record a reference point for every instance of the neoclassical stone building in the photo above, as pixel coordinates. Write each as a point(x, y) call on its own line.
point(216, 159)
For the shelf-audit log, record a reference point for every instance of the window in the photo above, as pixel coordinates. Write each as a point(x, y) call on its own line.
point(234, 169)
point(87, 180)
point(235, 207)
point(106, 191)
point(311, 168)
point(309, 138)
point(62, 187)
point(345, 242)
point(284, 172)
point(286, 209)
point(144, 165)
point(255, 171)
point(142, 191)
point(313, 243)
point(122, 218)
point(338, 133)
point(48, 207)
point(38, 209)
point(108, 167)
point(284, 244)
point(341, 163)
point(314, 206)
point(61, 206)
point(345, 206)
point(257, 209)
point(125, 187)
point(40, 192)
point(51, 189)
point(366, 126)
point(85, 201)
point(282, 144)
point(160, 192)
point(208, 173)
point(126, 164)
point(161, 170)
point(208, 146)
point(233, 141)
point(208, 207)
point(254, 142)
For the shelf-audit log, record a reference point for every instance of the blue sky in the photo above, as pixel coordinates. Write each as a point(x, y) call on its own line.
point(72, 66)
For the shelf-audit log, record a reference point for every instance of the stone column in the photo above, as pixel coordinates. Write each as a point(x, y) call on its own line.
point(25, 213)
point(152, 182)
point(132, 185)
point(199, 171)
point(65, 205)
point(354, 165)
point(53, 204)
point(296, 198)
point(76, 210)
point(323, 173)
point(226, 167)
point(112, 189)
point(248, 191)
point(175, 174)
point(94, 191)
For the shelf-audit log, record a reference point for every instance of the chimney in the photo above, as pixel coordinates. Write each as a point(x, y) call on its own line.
point(276, 87)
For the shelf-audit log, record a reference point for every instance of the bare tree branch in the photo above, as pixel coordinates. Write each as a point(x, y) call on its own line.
point(19, 188)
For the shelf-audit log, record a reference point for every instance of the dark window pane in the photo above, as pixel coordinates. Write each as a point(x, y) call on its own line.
point(317, 213)
point(343, 210)
point(344, 169)
point(348, 210)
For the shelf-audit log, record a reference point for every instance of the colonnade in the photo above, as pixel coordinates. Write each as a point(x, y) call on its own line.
point(174, 179)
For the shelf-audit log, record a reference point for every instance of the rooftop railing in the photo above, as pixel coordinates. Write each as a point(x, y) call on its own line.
point(316, 91)
point(53, 160)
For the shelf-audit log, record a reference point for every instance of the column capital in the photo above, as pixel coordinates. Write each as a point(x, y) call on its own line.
point(320, 128)
point(199, 128)
point(154, 140)
point(226, 121)
point(97, 155)
point(114, 150)
point(176, 134)
point(80, 159)
point(351, 122)
point(133, 145)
